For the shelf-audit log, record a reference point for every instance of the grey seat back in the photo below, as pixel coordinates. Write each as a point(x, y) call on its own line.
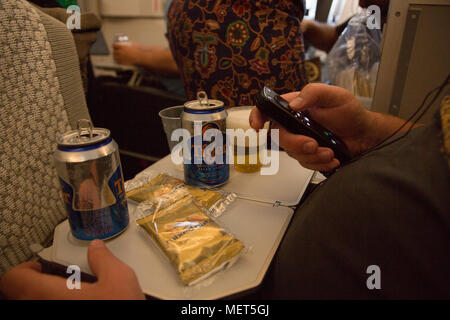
point(41, 97)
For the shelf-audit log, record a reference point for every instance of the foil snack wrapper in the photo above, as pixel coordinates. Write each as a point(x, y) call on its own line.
point(164, 190)
point(154, 189)
point(192, 241)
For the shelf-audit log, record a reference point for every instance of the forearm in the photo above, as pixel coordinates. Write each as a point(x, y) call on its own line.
point(320, 35)
point(159, 61)
point(381, 126)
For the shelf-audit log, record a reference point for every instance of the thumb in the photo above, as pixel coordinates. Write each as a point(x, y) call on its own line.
point(101, 260)
point(320, 95)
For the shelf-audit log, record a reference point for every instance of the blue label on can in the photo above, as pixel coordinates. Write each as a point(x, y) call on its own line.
point(208, 165)
point(206, 174)
point(88, 219)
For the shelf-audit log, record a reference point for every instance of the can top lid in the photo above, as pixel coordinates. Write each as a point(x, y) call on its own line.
point(203, 103)
point(84, 135)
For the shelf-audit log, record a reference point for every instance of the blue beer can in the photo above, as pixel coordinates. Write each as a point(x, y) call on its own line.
point(90, 173)
point(205, 119)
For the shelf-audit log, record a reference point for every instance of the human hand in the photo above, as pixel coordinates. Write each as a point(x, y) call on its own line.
point(305, 25)
point(127, 54)
point(335, 109)
point(115, 280)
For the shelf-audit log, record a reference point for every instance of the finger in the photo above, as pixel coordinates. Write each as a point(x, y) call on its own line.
point(117, 46)
point(322, 156)
point(319, 94)
point(257, 119)
point(295, 143)
point(115, 279)
point(323, 167)
point(328, 166)
point(290, 96)
point(33, 265)
point(104, 264)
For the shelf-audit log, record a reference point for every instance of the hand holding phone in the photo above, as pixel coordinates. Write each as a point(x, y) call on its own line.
point(298, 122)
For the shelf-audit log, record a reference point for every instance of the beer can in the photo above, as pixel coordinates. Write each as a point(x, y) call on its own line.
point(207, 166)
point(90, 173)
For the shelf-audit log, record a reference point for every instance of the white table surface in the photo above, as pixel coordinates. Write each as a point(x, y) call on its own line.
point(287, 186)
point(260, 226)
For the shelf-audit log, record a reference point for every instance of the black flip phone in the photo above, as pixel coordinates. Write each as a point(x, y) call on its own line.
point(277, 108)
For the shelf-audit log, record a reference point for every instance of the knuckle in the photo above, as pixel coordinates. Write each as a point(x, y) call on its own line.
point(309, 166)
point(308, 87)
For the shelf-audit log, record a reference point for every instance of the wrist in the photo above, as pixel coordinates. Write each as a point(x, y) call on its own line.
point(137, 58)
point(380, 126)
point(372, 133)
point(304, 26)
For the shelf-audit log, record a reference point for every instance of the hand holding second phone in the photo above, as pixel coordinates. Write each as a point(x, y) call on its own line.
point(335, 109)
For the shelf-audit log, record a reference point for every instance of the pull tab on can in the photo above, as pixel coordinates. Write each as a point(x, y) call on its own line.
point(203, 103)
point(202, 98)
point(84, 135)
point(81, 130)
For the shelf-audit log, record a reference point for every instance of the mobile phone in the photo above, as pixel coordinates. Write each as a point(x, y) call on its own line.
point(275, 107)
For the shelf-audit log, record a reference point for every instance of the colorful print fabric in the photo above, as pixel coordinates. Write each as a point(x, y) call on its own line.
point(445, 122)
point(231, 49)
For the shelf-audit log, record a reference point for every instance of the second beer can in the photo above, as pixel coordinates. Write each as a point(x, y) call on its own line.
point(202, 118)
point(90, 173)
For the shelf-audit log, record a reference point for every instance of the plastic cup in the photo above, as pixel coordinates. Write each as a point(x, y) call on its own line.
point(246, 151)
point(171, 120)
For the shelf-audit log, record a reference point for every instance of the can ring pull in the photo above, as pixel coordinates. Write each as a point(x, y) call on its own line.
point(202, 98)
point(89, 128)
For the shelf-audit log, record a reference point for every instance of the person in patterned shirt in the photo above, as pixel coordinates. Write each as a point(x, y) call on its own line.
point(231, 49)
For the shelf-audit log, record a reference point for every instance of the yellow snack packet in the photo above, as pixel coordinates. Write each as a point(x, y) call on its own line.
point(194, 243)
point(158, 186)
point(164, 190)
point(205, 198)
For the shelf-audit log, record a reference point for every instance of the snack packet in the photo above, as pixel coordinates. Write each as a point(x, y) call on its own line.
point(164, 190)
point(194, 243)
point(155, 188)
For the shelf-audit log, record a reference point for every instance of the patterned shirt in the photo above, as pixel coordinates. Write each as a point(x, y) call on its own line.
point(231, 49)
point(445, 123)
